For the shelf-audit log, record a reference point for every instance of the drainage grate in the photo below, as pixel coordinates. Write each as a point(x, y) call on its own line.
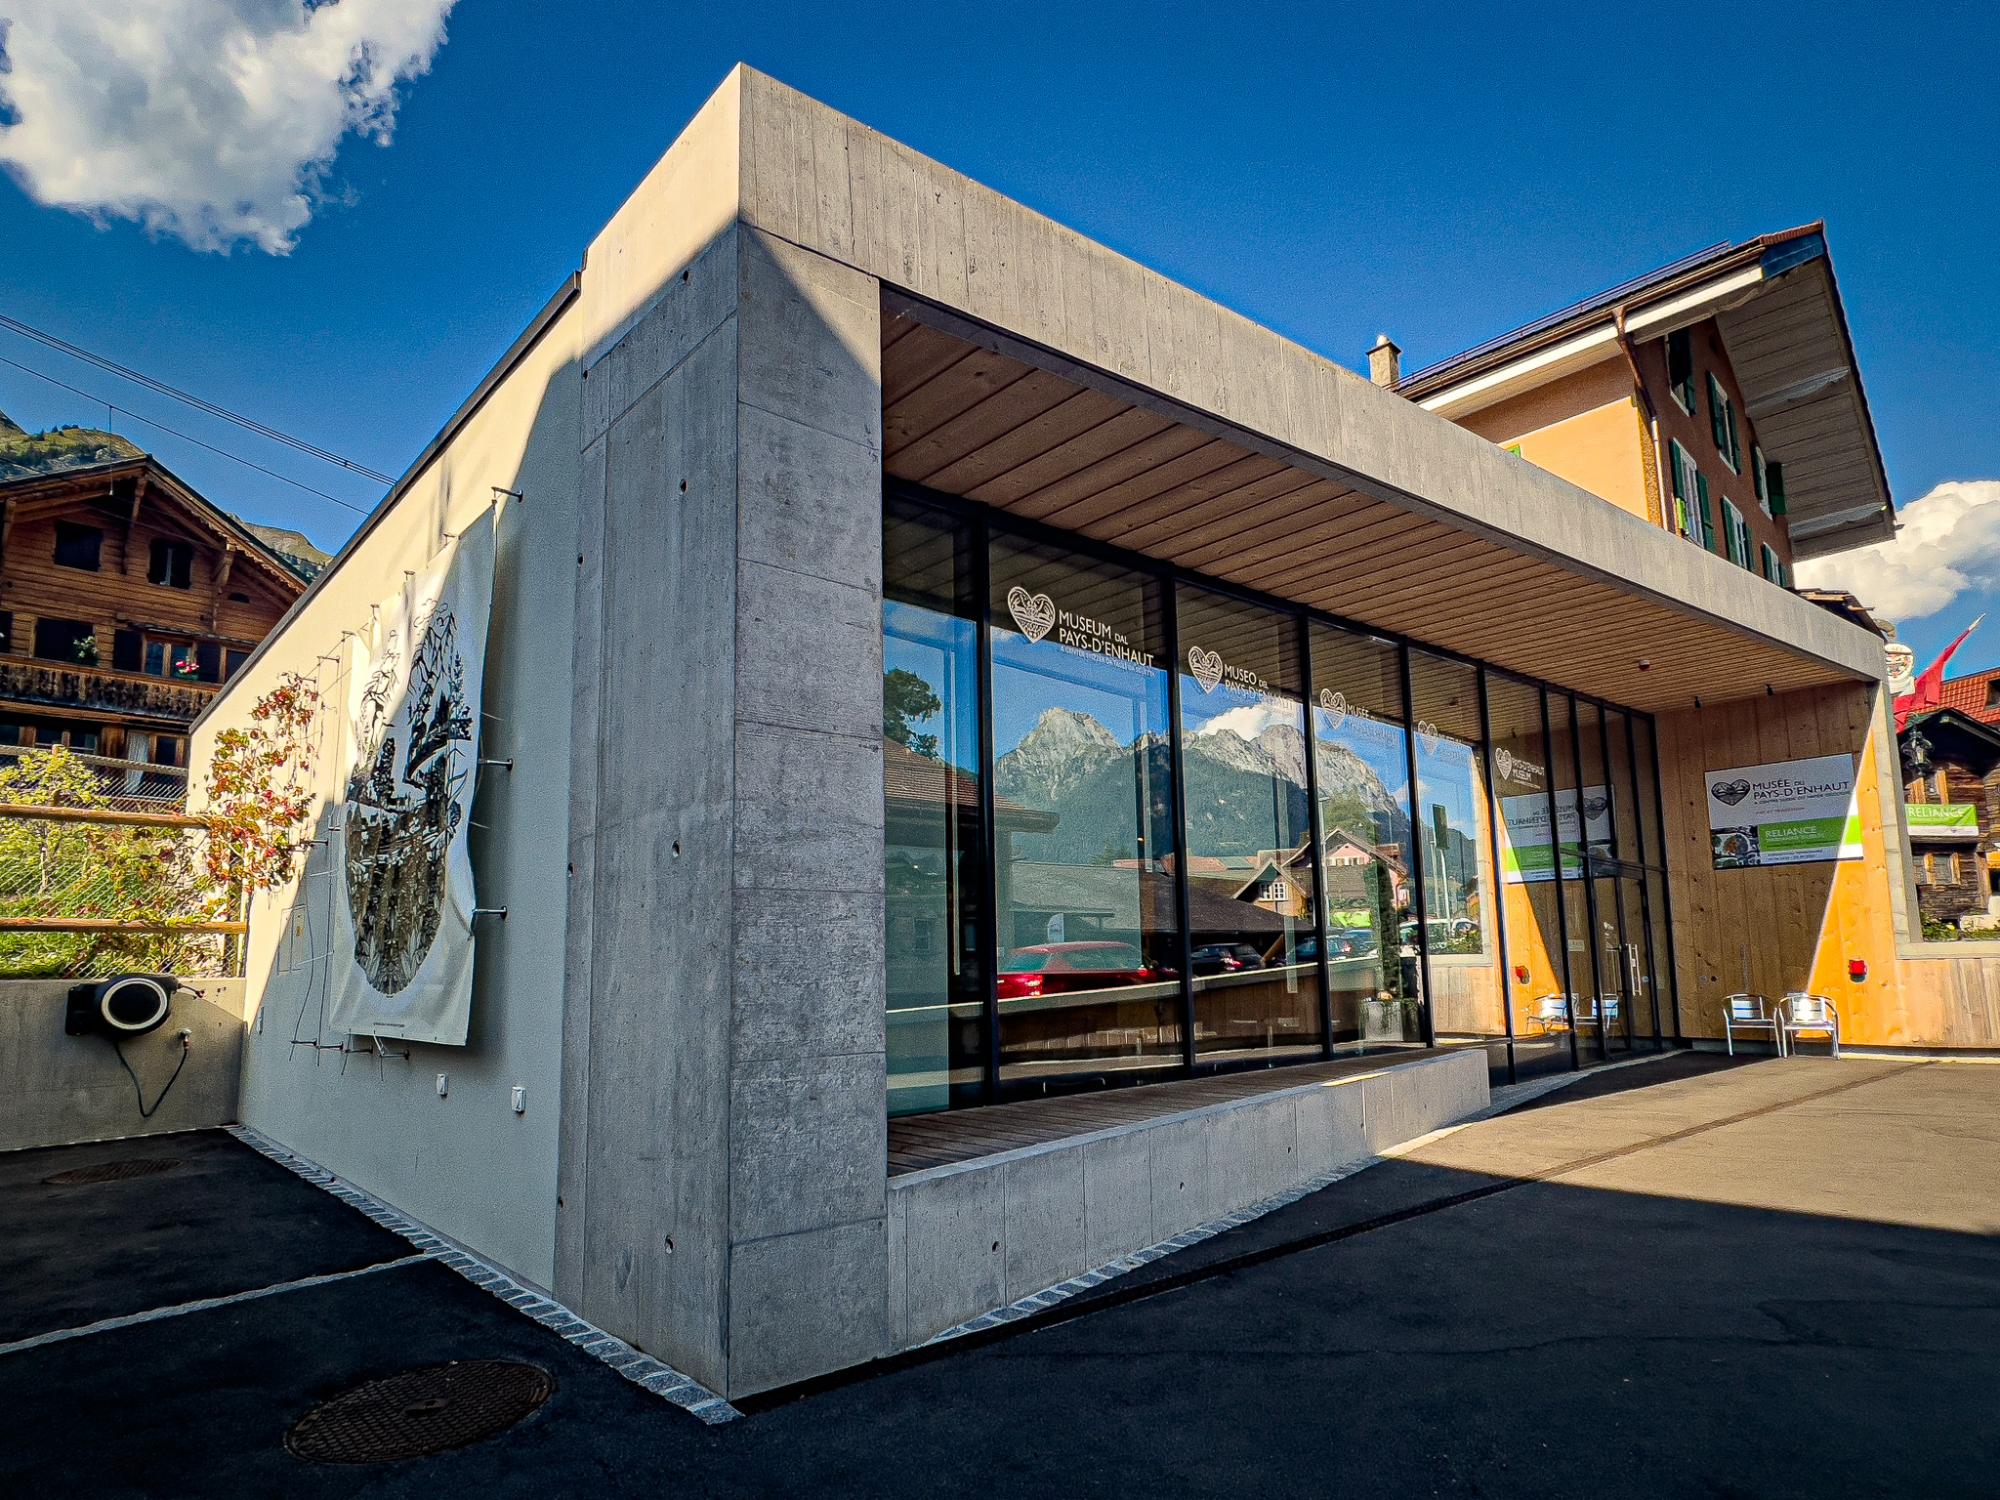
point(114, 1171)
point(420, 1412)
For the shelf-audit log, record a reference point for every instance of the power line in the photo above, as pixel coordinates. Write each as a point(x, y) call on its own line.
point(359, 510)
point(62, 346)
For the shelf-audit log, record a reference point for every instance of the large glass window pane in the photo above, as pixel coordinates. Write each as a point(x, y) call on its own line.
point(1361, 761)
point(1529, 893)
point(934, 865)
point(1083, 859)
point(1618, 767)
point(1606, 1005)
point(1579, 975)
point(1454, 850)
point(1249, 830)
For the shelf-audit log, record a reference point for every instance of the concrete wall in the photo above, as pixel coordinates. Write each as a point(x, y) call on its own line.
point(55, 1089)
point(727, 820)
point(976, 1235)
point(464, 1163)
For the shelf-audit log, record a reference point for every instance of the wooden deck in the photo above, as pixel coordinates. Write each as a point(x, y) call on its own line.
point(948, 1136)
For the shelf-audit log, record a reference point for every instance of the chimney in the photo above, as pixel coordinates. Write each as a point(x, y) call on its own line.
point(1385, 361)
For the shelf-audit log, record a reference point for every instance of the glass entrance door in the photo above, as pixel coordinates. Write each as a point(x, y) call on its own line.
point(1626, 1014)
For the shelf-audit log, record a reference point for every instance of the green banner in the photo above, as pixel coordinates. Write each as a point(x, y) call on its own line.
point(1943, 815)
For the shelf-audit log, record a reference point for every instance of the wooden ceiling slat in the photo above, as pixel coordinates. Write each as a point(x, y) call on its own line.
point(958, 389)
point(1078, 414)
point(1157, 485)
point(1129, 427)
point(1020, 402)
point(1244, 509)
point(1141, 458)
point(921, 356)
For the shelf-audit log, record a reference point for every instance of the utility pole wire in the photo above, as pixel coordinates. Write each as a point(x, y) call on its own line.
point(62, 346)
point(175, 432)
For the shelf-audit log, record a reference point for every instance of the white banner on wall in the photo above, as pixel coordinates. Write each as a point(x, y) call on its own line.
point(1790, 812)
point(403, 897)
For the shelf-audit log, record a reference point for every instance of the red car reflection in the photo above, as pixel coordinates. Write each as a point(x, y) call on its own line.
point(1063, 968)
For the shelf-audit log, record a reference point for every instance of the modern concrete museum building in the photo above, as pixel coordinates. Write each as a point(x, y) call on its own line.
point(941, 671)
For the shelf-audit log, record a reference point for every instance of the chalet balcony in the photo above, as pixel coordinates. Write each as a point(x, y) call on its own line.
point(96, 689)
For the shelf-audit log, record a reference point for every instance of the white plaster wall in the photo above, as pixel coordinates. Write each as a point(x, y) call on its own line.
point(465, 1164)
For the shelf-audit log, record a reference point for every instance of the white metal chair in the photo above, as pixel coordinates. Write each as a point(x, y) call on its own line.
point(1552, 1013)
point(1802, 1013)
point(1746, 1012)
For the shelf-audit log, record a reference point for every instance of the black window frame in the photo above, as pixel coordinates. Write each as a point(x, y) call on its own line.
point(71, 536)
point(166, 553)
point(985, 523)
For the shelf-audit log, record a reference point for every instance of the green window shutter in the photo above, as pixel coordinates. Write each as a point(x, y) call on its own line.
point(1774, 481)
point(1716, 429)
point(1707, 514)
point(1735, 449)
point(1674, 483)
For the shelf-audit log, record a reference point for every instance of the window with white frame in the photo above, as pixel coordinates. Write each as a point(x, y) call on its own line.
point(1691, 508)
point(1770, 567)
point(1735, 534)
point(1722, 422)
point(1760, 476)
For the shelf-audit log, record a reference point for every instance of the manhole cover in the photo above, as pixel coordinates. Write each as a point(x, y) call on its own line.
point(114, 1171)
point(419, 1412)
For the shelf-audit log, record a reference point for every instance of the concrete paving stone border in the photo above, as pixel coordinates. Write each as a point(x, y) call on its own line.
point(650, 1374)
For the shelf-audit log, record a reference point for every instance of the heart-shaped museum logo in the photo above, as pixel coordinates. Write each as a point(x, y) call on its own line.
point(1503, 762)
point(1334, 705)
point(1731, 792)
point(1206, 667)
point(1429, 736)
point(1034, 613)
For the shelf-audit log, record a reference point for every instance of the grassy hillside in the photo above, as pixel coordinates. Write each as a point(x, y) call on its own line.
point(24, 454)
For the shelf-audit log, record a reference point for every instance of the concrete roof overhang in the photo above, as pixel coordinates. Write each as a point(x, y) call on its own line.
point(1779, 312)
point(971, 412)
point(1219, 445)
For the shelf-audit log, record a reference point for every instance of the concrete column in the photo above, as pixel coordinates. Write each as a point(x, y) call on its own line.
point(808, 1257)
point(642, 1229)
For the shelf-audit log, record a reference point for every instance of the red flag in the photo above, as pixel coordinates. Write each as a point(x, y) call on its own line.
point(1925, 692)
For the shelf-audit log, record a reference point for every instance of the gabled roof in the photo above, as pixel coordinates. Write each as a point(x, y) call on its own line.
point(1968, 694)
point(95, 481)
point(1783, 324)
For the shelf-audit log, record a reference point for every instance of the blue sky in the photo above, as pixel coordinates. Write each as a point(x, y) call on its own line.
point(1330, 176)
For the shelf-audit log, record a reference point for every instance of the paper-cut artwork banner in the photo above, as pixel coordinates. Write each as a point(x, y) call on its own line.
point(1789, 812)
point(403, 895)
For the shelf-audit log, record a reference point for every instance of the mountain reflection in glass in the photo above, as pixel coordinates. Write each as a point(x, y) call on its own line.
point(1089, 946)
point(1249, 830)
point(1361, 760)
point(933, 857)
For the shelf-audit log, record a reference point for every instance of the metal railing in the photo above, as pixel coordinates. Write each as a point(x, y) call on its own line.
point(89, 891)
point(132, 784)
point(66, 686)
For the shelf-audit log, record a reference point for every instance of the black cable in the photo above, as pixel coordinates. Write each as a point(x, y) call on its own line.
point(138, 1092)
point(110, 407)
point(251, 424)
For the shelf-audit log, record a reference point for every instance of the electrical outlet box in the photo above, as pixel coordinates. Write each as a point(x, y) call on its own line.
point(444, 1084)
point(520, 1100)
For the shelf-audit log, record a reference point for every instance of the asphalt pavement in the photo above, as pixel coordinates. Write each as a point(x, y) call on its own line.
point(1675, 1279)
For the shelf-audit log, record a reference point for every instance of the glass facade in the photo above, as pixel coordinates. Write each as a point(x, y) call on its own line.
point(1139, 825)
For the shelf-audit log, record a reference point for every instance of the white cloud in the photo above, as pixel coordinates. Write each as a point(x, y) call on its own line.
point(213, 121)
point(1949, 544)
point(1251, 719)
